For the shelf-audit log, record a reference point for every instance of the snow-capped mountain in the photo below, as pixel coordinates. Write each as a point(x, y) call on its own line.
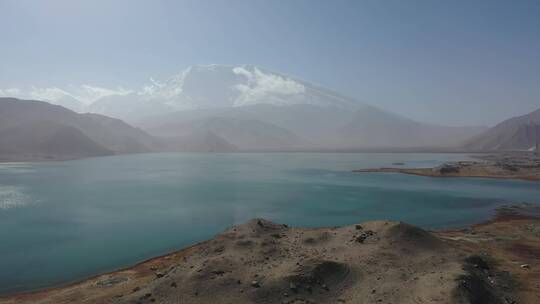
point(75, 98)
point(197, 87)
point(52, 95)
point(218, 86)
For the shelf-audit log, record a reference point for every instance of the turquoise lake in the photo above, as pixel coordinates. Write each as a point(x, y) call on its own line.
point(64, 221)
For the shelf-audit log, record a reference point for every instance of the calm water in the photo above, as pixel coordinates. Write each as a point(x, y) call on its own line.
point(63, 221)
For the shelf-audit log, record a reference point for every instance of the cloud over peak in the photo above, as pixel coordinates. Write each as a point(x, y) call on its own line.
point(261, 85)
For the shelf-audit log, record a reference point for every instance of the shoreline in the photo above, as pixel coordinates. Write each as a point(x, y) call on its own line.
point(129, 280)
point(428, 172)
point(518, 166)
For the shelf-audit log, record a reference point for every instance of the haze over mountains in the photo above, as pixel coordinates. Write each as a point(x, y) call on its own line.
point(221, 108)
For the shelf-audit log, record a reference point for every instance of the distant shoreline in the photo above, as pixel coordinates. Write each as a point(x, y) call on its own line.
point(522, 166)
point(429, 172)
point(14, 160)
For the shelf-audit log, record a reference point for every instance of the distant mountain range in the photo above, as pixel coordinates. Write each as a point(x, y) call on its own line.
point(220, 108)
point(264, 127)
point(256, 109)
point(37, 130)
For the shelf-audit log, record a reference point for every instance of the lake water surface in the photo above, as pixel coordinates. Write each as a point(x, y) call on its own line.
point(64, 221)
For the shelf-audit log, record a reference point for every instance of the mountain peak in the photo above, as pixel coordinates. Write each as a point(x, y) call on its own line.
point(218, 86)
point(200, 86)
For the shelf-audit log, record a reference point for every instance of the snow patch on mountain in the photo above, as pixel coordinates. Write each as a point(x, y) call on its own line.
point(76, 98)
point(260, 86)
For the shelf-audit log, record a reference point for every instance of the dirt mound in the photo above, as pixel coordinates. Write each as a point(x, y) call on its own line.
point(314, 281)
point(257, 226)
point(320, 274)
point(317, 239)
point(408, 236)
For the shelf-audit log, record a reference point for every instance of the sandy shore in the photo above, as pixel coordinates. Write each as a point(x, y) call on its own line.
point(373, 262)
point(524, 166)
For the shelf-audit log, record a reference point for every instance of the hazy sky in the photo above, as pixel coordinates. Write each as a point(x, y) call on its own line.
point(452, 62)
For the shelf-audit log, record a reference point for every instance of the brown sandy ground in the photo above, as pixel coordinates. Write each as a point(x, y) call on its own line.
point(373, 262)
point(523, 165)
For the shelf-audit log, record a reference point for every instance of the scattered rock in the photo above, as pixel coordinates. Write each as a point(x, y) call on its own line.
point(159, 274)
point(111, 281)
point(244, 243)
point(146, 296)
point(448, 168)
point(477, 262)
point(293, 287)
point(255, 284)
point(363, 236)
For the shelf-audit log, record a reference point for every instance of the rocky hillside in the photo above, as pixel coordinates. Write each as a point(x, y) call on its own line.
point(46, 140)
point(517, 133)
point(38, 130)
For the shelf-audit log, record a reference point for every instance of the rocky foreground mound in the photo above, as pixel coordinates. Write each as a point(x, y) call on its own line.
point(372, 262)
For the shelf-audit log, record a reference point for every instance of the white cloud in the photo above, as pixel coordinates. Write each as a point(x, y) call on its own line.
point(88, 93)
point(12, 92)
point(260, 86)
point(48, 94)
point(168, 90)
point(153, 88)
